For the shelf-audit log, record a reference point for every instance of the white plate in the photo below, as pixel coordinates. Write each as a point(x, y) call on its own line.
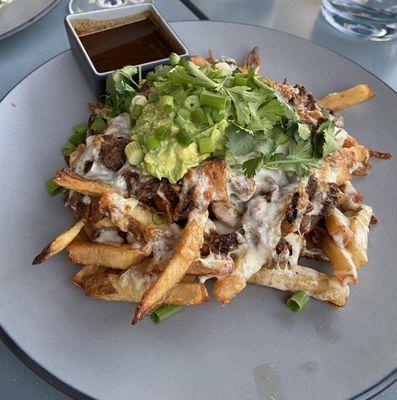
point(19, 14)
point(253, 348)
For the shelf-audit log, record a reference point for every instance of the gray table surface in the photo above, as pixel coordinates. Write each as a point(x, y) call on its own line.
point(26, 50)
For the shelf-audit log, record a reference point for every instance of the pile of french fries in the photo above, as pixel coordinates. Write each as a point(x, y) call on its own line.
point(133, 272)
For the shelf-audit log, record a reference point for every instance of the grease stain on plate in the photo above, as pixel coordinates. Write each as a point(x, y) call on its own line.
point(309, 367)
point(268, 382)
point(327, 333)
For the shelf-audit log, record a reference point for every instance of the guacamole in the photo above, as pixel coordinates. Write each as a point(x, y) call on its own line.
point(168, 158)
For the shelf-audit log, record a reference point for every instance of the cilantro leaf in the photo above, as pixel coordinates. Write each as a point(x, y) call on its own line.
point(299, 159)
point(241, 143)
point(251, 167)
point(272, 111)
point(120, 89)
point(303, 131)
point(324, 139)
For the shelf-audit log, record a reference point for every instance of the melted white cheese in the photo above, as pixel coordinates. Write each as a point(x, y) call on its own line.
point(108, 236)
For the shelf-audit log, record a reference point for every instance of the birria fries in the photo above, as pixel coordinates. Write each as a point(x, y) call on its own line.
point(207, 171)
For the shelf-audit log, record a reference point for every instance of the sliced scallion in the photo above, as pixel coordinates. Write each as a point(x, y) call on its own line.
point(205, 145)
point(159, 218)
point(164, 312)
point(297, 301)
point(81, 128)
point(134, 153)
point(183, 138)
point(210, 121)
point(184, 113)
point(198, 116)
point(192, 102)
point(152, 143)
point(179, 120)
point(174, 59)
point(213, 100)
point(161, 132)
point(167, 103)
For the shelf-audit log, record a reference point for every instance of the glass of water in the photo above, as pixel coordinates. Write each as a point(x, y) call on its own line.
point(78, 6)
point(369, 19)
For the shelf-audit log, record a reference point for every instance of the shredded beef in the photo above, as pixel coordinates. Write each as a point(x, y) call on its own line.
point(311, 188)
point(331, 200)
point(112, 151)
point(381, 155)
point(293, 211)
point(146, 88)
point(282, 245)
point(219, 244)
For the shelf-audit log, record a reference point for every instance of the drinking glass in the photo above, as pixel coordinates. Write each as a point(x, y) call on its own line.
point(369, 19)
point(78, 6)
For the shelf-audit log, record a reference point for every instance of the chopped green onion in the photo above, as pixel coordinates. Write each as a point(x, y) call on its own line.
point(167, 103)
point(153, 97)
point(52, 188)
point(205, 145)
point(240, 80)
point(198, 116)
point(218, 153)
point(134, 153)
point(213, 100)
point(183, 62)
point(164, 312)
point(217, 115)
point(179, 120)
point(68, 149)
point(184, 113)
point(192, 102)
point(209, 118)
point(297, 301)
point(81, 128)
point(98, 124)
point(183, 138)
point(179, 96)
point(174, 59)
point(139, 99)
point(161, 132)
point(136, 111)
point(152, 143)
point(159, 218)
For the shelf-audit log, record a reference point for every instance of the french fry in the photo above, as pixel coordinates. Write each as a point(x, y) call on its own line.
point(340, 100)
point(359, 224)
point(130, 288)
point(217, 267)
point(131, 216)
point(228, 287)
point(72, 181)
point(105, 255)
point(199, 61)
point(80, 276)
point(339, 166)
point(310, 281)
point(340, 259)
point(186, 251)
point(62, 241)
point(338, 227)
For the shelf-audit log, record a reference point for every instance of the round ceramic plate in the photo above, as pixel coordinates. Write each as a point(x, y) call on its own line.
point(253, 348)
point(19, 14)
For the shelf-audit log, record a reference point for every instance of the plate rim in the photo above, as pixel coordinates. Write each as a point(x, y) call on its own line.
point(26, 24)
point(67, 389)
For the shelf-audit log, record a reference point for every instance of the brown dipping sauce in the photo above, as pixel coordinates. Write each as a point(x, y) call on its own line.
point(134, 43)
